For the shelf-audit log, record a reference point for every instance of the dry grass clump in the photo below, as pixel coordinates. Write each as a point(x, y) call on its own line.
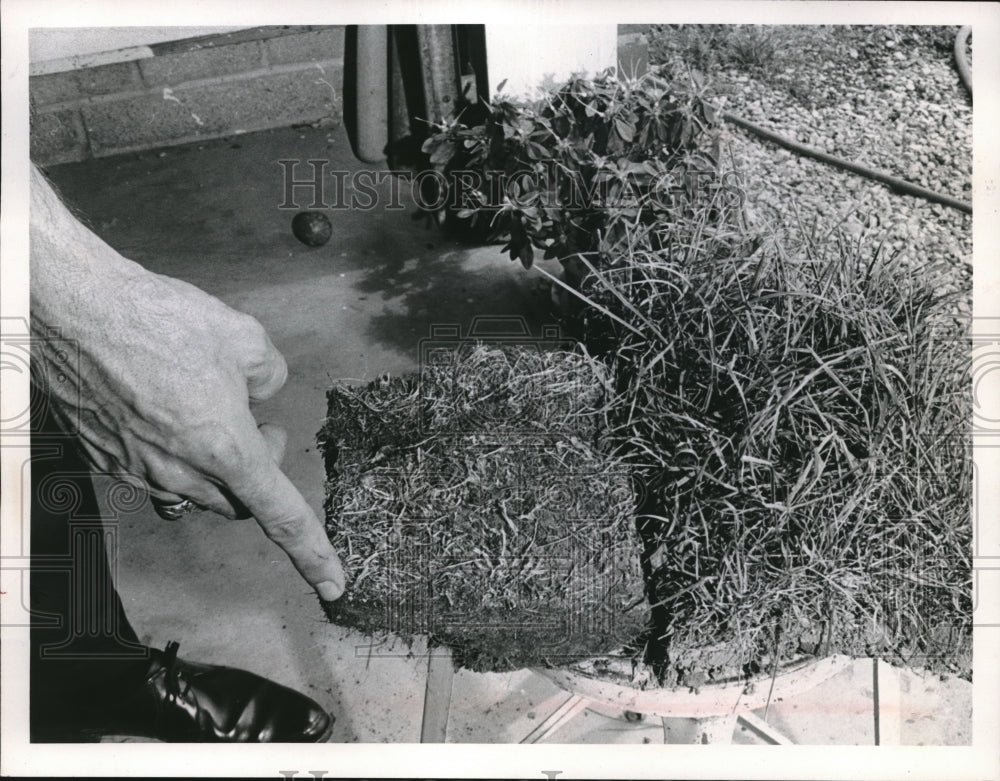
point(799, 420)
point(477, 503)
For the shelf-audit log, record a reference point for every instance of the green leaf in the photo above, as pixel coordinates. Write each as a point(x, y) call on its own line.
point(527, 255)
point(537, 152)
point(625, 129)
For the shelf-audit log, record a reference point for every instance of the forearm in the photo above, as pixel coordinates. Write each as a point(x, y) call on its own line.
point(78, 302)
point(71, 267)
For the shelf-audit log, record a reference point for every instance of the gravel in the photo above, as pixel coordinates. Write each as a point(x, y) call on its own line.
point(886, 97)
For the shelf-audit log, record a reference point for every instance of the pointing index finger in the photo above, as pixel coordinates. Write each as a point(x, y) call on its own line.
point(289, 521)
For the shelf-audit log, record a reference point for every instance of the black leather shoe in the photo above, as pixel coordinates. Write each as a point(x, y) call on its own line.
point(182, 702)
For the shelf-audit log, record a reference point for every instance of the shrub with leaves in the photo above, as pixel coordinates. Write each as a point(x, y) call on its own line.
point(573, 172)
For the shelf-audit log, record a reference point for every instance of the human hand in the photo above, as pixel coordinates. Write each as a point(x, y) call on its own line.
point(163, 384)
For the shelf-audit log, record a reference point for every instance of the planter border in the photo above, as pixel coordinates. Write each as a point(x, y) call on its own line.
point(719, 699)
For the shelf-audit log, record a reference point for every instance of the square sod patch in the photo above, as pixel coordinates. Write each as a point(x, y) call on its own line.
point(478, 502)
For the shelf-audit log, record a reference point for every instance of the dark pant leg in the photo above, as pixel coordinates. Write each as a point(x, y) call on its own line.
point(83, 649)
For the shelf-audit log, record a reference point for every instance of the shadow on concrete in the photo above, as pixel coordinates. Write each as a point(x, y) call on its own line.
point(454, 287)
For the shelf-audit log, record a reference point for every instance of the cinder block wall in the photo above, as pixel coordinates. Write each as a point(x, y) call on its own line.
point(188, 90)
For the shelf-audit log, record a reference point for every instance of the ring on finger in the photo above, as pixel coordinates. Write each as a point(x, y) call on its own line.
point(173, 512)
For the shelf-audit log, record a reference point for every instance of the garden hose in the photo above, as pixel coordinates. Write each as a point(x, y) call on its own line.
point(895, 183)
point(960, 61)
point(900, 185)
